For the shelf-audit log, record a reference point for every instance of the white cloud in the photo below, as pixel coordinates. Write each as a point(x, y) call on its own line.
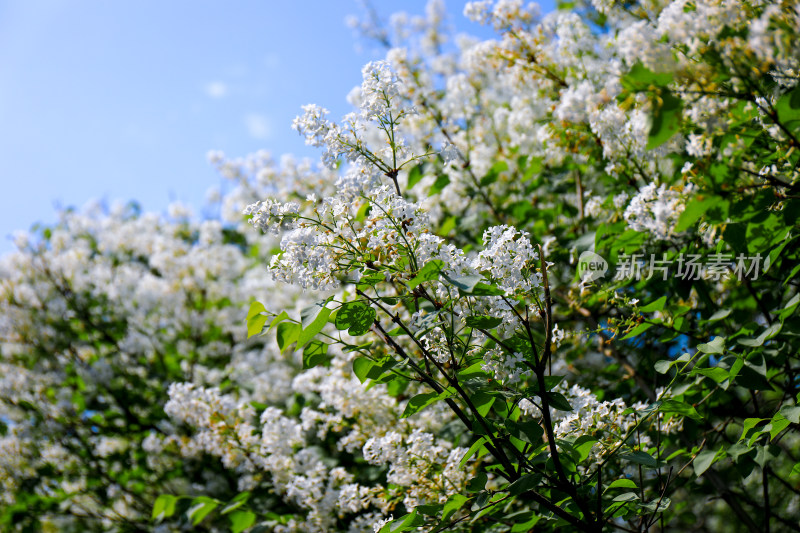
point(216, 89)
point(258, 126)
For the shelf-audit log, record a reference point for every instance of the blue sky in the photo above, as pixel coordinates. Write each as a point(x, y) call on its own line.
point(121, 100)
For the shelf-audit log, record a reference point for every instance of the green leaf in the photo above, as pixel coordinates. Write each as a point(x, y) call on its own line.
point(778, 424)
point(464, 283)
point(747, 425)
point(278, 319)
point(550, 382)
point(313, 319)
point(623, 483)
point(201, 507)
point(255, 325)
point(477, 445)
point(715, 346)
point(788, 109)
point(767, 334)
point(477, 483)
point(482, 402)
point(362, 368)
point(666, 120)
point(347, 314)
point(641, 458)
point(677, 407)
point(657, 305)
point(429, 510)
point(695, 208)
point(529, 432)
point(241, 520)
point(414, 175)
point(583, 446)
point(794, 98)
point(421, 401)
point(524, 484)
point(357, 317)
point(638, 330)
point(164, 507)
point(255, 320)
point(316, 354)
point(663, 366)
point(453, 504)
point(368, 280)
point(240, 498)
point(365, 368)
point(719, 315)
point(639, 78)
point(525, 522)
point(442, 181)
point(429, 272)
point(483, 322)
point(703, 461)
point(715, 373)
point(256, 308)
point(485, 289)
point(287, 334)
point(791, 413)
point(558, 401)
point(494, 173)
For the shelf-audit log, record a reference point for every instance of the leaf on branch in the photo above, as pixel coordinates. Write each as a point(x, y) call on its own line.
point(638, 330)
point(201, 507)
point(287, 334)
point(414, 175)
point(529, 432)
point(478, 445)
point(694, 210)
point(255, 320)
point(677, 407)
point(657, 305)
point(421, 401)
point(429, 272)
point(453, 504)
point(164, 507)
point(313, 319)
point(640, 458)
point(316, 354)
point(483, 322)
point(623, 483)
point(558, 401)
point(703, 461)
point(356, 317)
point(666, 119)
point(241, 520)
point(524, 484)
point(365, 368)
point(640, 78)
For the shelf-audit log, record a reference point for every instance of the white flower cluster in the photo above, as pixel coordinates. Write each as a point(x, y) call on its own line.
point(509, 259)
point(381, 92)
point(271, 215)
point(610, 421)
point(420, 463)
point(283, 447)
point(655, 210)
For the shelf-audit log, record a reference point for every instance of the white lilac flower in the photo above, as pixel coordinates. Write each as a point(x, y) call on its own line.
point(656, 210)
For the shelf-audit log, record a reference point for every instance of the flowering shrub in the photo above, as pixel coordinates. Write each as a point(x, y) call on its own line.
point(547, 281)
